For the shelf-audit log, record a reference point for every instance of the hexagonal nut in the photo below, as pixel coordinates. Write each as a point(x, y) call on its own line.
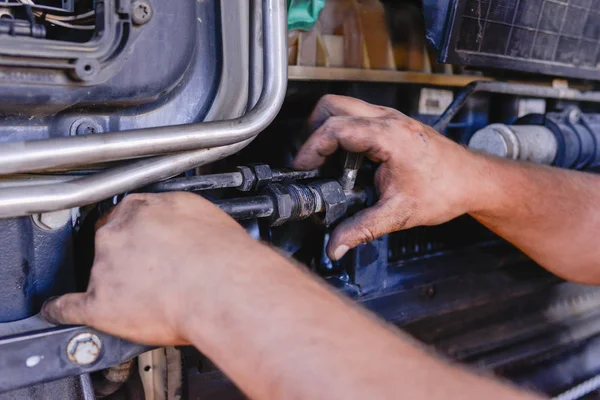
point(263, 175)
point(53, 220)
point(332, 195)
point(284, 203)
point(84, 348)
point(248, 178)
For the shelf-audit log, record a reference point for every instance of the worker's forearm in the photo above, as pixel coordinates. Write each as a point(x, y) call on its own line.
point(553, 215)
point(278, 333)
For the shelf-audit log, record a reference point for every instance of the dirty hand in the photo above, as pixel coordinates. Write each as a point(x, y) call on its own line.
point(423, 178)
point(154, 255)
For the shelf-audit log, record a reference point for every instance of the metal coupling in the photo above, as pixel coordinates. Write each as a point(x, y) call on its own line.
point(248, 179)
point(259, 176)
point(292, 202)
point(263, 175)
point(297, 202)
point(332, 199)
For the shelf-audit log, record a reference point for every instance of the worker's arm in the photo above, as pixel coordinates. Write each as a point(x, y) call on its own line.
point(174, 269)
point(553, 215)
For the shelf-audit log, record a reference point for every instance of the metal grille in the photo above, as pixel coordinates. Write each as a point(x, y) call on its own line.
point(426, 240)
point(559, 37)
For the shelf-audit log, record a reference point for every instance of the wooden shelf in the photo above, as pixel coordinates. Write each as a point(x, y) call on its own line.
point(300, 73)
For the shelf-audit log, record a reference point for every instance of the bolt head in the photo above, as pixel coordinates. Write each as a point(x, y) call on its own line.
point(248, 178)
point(263, 174)
point(284, 204)
point(141, 12)
point(53, 220)
point(85, 126)
point(84, 348)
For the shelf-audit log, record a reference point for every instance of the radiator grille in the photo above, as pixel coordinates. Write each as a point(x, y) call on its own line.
point(560, 37)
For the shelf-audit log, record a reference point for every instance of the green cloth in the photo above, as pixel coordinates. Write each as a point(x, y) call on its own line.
point(302, 14)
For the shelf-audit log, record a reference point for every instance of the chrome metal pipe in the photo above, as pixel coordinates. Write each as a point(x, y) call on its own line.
point(19, 201)
point(22, 157)
point(34, 180)
point(256, 49)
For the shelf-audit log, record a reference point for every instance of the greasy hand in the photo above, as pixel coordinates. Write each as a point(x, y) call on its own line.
point(422, 179)
point(153, 255)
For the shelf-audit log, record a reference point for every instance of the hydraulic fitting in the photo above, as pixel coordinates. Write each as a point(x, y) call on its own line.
point(294, 202)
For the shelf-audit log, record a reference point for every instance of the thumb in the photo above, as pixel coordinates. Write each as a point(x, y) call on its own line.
point(70, 309)
point(363, 227)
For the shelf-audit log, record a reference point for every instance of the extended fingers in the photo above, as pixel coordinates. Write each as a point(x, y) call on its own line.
point(382, 218)
point(354, 134)
point(336, 106)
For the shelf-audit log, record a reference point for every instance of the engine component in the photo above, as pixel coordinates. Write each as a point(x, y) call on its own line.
point(34, 263)
point(294, 202)
point(14, 27)
point(456, 286)
point(517, 142)
point(109, 61)
point(50, 348)
point(228, 137)
point(567, 139)
point(247, 178)
point(109, 380)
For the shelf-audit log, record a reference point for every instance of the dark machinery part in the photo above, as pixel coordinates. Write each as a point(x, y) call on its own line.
point(21, 28)
point(43, 354)
point(121, 63)
point(245, 208)
point(568, 139)
point(145, 78)
point(280, 203)
point(108, 381)
point(539, 36)
point(36, 264)
point(456, 286)
point(248, 178)
point(294, 202)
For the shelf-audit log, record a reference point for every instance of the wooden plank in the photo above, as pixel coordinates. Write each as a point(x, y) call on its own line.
point(301, 73)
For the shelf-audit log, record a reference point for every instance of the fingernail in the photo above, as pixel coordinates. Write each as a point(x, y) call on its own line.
point(44, 311)
point(340, 251)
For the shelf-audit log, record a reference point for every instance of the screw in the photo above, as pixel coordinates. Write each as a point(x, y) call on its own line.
point(85, 126)
point(84, 348)
point(141, 12)
point(52, 220)
point(85, 129)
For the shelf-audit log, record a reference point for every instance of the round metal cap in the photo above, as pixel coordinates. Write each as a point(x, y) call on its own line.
point(496, 139)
